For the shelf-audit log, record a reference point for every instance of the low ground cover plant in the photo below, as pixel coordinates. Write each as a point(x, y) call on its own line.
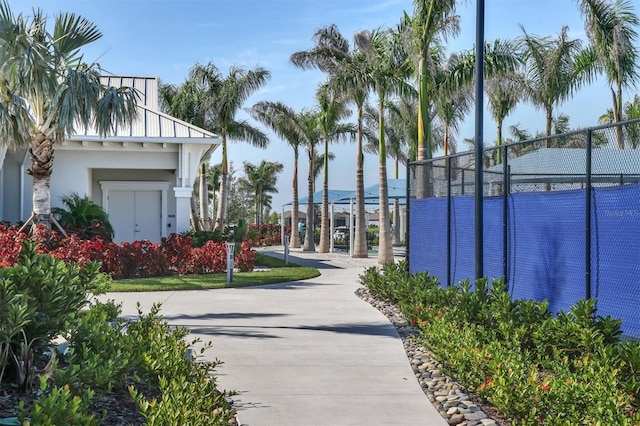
point(100, 363)
point(533, 366)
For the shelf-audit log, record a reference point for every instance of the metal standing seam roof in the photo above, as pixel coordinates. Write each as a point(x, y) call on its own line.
point(152, 125)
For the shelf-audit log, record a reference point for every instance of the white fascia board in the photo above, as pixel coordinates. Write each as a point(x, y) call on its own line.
point(171, 140)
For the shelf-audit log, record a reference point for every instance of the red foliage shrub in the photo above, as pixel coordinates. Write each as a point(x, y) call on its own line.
point(246, 258)
point(10, 245)
point(266, 235)
point(210, 258)
point(176, 250)
point(137, 259)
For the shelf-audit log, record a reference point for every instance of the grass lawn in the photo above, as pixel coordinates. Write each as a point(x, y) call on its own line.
point(279, 273)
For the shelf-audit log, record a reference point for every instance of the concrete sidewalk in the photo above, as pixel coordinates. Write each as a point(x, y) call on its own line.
point(305, 353)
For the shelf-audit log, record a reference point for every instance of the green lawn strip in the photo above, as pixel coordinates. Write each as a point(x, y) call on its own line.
point(278, 274)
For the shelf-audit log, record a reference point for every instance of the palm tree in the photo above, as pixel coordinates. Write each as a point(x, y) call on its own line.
point(397, 147)
point(503, 93)
point(630, 111)
point(432, 22)
point(224, 97)
point(312, 137)
point(48, 91)
point(331, 110)
point(613, 39)
point(261, 180)
point(209, 179)
point(186, 102)
point(333, 55)
point(387, 68)
point(551, 73)
point(284, 121)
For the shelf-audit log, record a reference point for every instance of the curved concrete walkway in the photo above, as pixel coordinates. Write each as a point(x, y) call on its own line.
point(305, 353)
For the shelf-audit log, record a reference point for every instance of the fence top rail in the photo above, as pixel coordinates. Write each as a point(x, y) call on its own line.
point(528, 141)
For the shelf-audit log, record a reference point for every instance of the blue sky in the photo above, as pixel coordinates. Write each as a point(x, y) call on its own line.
point(164, 38)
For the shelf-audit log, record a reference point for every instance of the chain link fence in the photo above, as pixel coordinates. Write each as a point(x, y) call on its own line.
point(561, 218)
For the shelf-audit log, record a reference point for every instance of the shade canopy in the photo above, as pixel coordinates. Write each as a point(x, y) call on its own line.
point(397, 190)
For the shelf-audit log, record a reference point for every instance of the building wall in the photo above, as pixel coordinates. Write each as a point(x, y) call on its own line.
point(74, 171)
point(14, 207)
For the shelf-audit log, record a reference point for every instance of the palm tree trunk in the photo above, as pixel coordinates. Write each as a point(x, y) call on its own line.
point(423, 173)
point(295, 236)
point(617, 113)
point(385, 249)
point(309, 244)
point(324, 223)
point(41, 155)
point(549, 116)
point(395, 236)
point(359, 248)
point(222, 203)
point(42, 199)
point(204, 197)
point(195, 220)
point(221, 216)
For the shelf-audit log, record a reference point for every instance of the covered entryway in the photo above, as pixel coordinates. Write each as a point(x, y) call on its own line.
point(137, 210)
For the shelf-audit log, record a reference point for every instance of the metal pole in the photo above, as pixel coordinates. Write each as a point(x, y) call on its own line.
point(587, 215)
point(282, 226)
point(332, 229)
point(286, 250)
point(448, 160)
point(479, 95)
point(505, 217)
point(408, 227)
point(350, 226)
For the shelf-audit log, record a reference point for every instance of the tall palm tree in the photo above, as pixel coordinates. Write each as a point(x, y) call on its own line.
point(397, 147)
point(284, 121)
point(433, 21)
point(186, 102)
point(331, 111)
point(48, 91)
point(261, 180)
point(209, 179)
point(451, 103)
point(333, 55)
point(611, 29)
point(503, 94)
point(551, 73)
point(388, 68)
point(224, 97)
point(312, 137)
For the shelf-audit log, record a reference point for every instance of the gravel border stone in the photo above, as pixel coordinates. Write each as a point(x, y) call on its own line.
point(456, 405)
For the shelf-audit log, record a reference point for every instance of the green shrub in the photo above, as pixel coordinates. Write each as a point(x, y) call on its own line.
point(189, 392)
point(58, 406)
point(39, 297)
point(200, 238)
point(83, 217)
point(534, 367)
point(100, 356)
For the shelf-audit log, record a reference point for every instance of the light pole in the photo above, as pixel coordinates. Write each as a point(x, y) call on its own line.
point(479, 94)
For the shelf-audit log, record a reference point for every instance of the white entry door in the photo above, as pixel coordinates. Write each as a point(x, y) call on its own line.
point(136, 215)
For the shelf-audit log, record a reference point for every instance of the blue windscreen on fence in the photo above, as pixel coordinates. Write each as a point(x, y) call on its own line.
point(546, 246)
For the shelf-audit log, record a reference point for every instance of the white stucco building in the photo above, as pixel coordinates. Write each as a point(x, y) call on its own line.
point(142, 175)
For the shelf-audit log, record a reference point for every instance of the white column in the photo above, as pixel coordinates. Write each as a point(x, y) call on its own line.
point(183, 209)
